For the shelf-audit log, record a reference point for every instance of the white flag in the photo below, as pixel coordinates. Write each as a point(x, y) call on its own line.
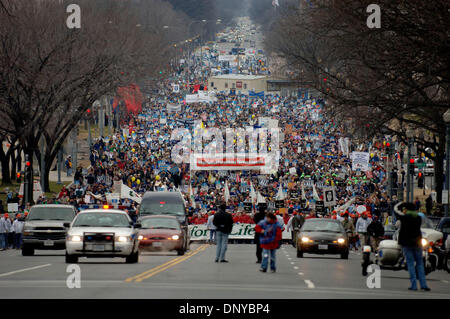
point(315, 195)
point(280, 194)
point(252, 192)
point(126, 192)
point(227, 192)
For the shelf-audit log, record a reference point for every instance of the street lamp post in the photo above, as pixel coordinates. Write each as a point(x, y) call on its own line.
point(447, 157)
point(409, 185)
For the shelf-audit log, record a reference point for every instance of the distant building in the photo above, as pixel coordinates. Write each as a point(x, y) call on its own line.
point(240, 82)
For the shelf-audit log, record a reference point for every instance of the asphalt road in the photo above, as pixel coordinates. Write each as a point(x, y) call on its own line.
point(196, 275)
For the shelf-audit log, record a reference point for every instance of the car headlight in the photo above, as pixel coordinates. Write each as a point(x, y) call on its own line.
point(306, 240)
point(424, 242)
point(123, 239)
point(341, 240)
point(75, 238)
point(140, 237)
point(175, 237)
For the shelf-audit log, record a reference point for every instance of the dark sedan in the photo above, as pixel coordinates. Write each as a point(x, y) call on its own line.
point(162, 233)
point(322, 236)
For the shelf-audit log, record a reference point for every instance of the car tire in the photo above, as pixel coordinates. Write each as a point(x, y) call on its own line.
point(27, 251)
point(299, 254)
point(71, 259)
point(133, 258)
point(180, 252)
point(344, 255)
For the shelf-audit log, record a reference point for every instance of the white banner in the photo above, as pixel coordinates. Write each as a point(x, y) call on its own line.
point(172, 108)
point(13, 207)
point(360, 160)
point(240, 231)
point(226, 58)
point(232, 161)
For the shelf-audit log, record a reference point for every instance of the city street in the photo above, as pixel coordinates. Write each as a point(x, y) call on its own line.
point(195, 275)
point(149, 125)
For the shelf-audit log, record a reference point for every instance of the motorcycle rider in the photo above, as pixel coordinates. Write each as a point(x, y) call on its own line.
point(375, 231)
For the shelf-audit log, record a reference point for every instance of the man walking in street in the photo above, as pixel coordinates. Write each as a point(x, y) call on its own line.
point(224, 223)
point(271, 234)
point(297, 223)
point(259, 216)
point(410, 238)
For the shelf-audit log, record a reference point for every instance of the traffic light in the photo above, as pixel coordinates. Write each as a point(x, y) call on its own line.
point(420, 180)
point(411, 166)
point(19, 177)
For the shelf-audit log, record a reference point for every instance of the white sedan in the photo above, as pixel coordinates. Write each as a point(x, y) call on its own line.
point(102, 233)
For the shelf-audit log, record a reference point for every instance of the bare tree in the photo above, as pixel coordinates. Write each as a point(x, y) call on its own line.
point(50, 75)
point(384, 80)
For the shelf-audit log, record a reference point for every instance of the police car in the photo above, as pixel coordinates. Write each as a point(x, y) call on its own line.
point(102, 233)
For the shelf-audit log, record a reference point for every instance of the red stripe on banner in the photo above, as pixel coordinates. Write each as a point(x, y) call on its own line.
point(229, 165)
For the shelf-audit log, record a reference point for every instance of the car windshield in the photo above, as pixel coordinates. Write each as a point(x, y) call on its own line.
point(51, 213)
point(160, 223)
point(101, 220)
point(322, 226)
point(427, 223)
point(159, 208)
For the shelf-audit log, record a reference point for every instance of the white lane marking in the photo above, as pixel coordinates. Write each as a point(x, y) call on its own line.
point(289, 258)
point(22, 270)
point(301, 274)
point(445, 281)
point(292, 262)
point(295, 267)
point(310, 284)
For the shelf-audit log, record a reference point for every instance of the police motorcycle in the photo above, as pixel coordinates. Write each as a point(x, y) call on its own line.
point(389, 255)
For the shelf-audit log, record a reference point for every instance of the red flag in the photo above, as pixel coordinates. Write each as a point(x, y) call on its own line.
point(132, 97)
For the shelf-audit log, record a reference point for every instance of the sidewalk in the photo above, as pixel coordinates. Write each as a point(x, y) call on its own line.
point(53, 177)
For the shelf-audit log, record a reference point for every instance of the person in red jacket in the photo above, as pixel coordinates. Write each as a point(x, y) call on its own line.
point(271, 235)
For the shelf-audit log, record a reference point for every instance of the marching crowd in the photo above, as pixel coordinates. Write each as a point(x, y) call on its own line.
point(139, 155)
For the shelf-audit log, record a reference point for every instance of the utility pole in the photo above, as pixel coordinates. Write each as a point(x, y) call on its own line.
point(59, 164)
point(74, 148)
point(410, 170)
point(42, 172)
point(28, 179)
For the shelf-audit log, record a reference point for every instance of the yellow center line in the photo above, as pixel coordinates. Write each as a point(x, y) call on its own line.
point(160, 266)
point(157, 271)
point(163, 265)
